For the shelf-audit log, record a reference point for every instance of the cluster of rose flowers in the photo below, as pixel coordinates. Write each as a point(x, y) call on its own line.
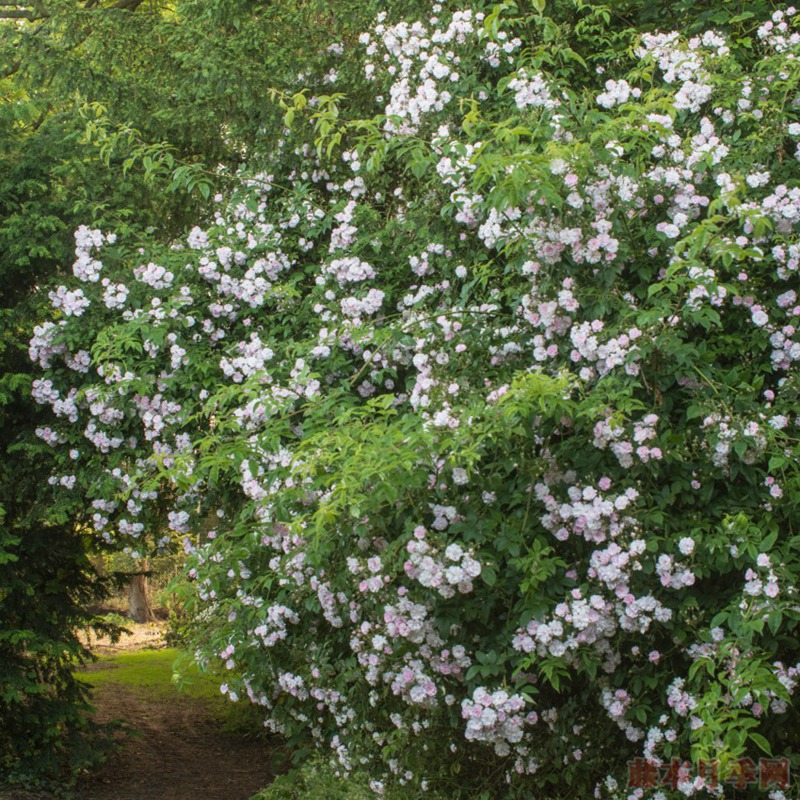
point(291, 298)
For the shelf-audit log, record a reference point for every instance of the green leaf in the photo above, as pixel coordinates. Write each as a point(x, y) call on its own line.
point(761, 743)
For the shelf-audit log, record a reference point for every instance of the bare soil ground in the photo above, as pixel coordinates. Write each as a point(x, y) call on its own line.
point(140, 637)
point(179, 753)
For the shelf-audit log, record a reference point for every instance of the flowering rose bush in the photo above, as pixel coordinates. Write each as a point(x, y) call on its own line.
point(485, 407)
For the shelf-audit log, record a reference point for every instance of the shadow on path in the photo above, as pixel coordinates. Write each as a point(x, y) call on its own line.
point(179, 752)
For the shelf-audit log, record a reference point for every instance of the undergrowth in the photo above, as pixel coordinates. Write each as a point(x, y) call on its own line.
point(314, 780)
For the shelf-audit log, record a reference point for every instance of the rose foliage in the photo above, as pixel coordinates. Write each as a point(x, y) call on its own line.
point(486, 404)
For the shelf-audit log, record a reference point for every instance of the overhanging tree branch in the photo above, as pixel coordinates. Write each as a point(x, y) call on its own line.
point(18, 13)
point(9, 10)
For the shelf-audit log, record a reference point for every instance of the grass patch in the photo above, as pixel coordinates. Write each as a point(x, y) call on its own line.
point(166, 674)
point(157, 672)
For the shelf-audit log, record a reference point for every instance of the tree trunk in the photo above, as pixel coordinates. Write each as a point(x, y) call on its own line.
point(140, 610)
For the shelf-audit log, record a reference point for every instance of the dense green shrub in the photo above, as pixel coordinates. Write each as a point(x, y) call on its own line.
point(316, 781)
point(492, 398)
point(45, 737)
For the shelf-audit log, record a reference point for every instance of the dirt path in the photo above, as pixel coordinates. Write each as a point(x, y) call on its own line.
point(181, 750)
point(179, 754)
